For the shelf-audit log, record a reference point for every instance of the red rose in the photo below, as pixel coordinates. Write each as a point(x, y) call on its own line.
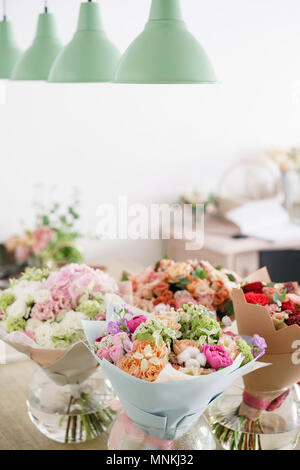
point(288, 306)
point(100, 338)
point(254, 298)
point(253, 287)
point(293, 319)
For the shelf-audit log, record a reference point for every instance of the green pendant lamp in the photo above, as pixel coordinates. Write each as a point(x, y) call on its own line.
point(90, 56)
point(9, 51)
point(165, 52)
point(36, 62)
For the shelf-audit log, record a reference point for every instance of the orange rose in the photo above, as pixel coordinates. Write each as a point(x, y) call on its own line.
point(178, 270)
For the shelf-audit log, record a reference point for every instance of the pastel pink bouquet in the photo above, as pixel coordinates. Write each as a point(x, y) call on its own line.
point(49, 306)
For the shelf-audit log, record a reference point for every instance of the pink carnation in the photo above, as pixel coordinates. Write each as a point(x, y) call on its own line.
point(135, 322)
point(45, 310)
point(42, 236)
point(216, 356)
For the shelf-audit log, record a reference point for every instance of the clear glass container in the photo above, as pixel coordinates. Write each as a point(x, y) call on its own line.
point(291, 185)
point(273, 430)
point(124, 436)
point(71, 413)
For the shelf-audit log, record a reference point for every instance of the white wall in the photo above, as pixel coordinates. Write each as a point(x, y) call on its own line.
point(151, 142)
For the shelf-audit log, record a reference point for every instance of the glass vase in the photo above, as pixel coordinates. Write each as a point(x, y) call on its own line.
point(125, 436)
point(71, 413)
point(277, 429)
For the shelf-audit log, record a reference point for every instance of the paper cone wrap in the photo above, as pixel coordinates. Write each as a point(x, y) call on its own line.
point(282, 346)
point(165, 410)
point(63, 366)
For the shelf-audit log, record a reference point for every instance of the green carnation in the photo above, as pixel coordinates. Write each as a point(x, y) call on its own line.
point(6, 299)
point(15, 324)
point(198, 324)
point(245, 350)
point(90, 307)
point(155, 331)
point(31, 274)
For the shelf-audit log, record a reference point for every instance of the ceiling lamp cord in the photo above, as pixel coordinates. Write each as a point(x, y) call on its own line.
point(4, 10)
point(46, 6)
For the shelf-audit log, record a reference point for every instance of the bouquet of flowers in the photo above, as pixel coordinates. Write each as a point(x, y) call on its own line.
point(273, 311)
point(208, 201)
point(52, 243)
point(286, 160)
point(173, 284)
point(167, 367)
point(41, 315)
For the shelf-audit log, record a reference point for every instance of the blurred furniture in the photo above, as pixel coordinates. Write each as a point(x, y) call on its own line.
point(224, 245)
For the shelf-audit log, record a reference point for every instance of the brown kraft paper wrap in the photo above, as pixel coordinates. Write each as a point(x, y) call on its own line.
point(283, 348)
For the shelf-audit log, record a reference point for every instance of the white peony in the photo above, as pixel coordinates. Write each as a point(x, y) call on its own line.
point(32, 324)
point(26, 289)
point(72, 320)
point(17, 309)
point(43, 334)
point(41, 295)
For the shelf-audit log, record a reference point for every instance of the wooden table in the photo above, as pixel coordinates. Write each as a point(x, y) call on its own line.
point(16, 430)
point(222, 247)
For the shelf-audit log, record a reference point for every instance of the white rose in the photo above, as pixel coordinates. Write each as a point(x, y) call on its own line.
point(26, 288)
point(3, 325)
point(72, 320)
point(43, 335)
point(58, 329)
point(18, 309)
point(41, 295)
point(32, 324)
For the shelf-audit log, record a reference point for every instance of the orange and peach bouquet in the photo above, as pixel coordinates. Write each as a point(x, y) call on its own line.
point(188, 340)
point(173, 284)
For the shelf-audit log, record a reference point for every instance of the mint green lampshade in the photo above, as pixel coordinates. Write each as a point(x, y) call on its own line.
point(90, 56)
point(9, 51)
point(36, 62)
point(165, 52)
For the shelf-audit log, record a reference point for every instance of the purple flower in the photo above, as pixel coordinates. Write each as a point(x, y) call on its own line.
point(113, 327)
point(259, 345)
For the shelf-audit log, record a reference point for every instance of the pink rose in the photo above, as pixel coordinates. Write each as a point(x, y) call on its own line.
point(22, 253)
point(42, 237)
point(116, 353)
point(100, 316)
point(135, 322)
point(104, 353)
point(216, 356)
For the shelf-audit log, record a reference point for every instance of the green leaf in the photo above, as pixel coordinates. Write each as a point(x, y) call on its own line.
point(278, 298)
point(124, 277)
point(229, 308)
point(219, 267)
point(271, 284)
point(165, 257)
point(200, 273)
point(231, 277)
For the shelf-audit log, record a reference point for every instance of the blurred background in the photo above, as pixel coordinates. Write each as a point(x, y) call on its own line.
point(229, 144)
